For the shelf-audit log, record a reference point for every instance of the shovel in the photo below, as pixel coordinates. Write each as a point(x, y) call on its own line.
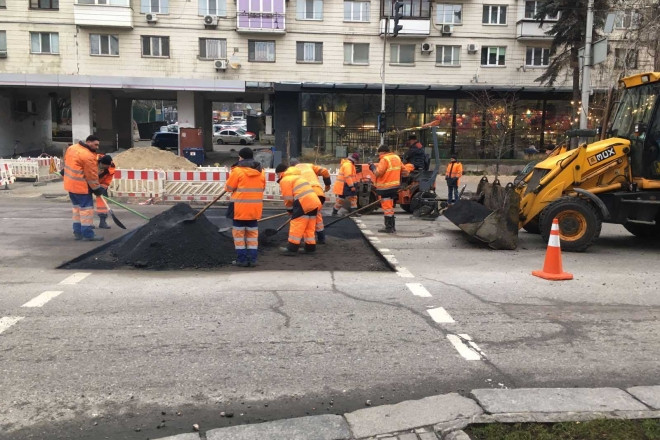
point(190, 220)
point(125, 207)
point(112, 214)
point(271, 232)
point(260, 220)
point(351, 213)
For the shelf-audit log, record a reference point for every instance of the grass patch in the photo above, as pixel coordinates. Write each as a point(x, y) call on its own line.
point(645, 429)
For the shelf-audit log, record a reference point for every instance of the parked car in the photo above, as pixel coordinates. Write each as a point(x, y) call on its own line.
point(233, 136)
point(165, 140)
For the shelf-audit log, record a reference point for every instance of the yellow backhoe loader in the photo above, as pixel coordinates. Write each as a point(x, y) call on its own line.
point(615, 180)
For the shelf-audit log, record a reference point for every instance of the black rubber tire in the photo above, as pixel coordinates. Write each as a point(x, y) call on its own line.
point(578, 219)
point(372, 198)
point(532, 226)
point(243, 142)
point(220, 142)
point(644, 231)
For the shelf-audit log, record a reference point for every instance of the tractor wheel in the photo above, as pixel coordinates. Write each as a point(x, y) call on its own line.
point(372, 198)
point(532, 226)
point(644, 231)
point(579, 223)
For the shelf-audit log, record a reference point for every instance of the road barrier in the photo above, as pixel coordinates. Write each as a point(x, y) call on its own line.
point(6, 174)
point(138, 183)
point(39, 169)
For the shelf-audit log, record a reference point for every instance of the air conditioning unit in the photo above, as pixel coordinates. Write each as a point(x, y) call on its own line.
point(220, 64)
point(210, 22)
point(427, 48)
point(472, 48)
point(447, 29)
point(3, 54)
point(151, 18)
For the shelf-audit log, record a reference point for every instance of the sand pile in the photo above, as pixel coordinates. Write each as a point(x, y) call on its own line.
point(152, 158)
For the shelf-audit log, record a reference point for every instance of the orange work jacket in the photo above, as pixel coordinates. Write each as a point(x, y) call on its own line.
point(311, 174)
point(454, 169)
point(406, 169)
point(81, 170)
point(106, 175)
point(388, 172)
point(246, 186)
point(295, 188)
point(346, 176)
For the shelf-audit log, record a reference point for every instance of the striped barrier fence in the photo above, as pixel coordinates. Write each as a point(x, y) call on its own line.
point(6, 174)
point(189, 186)
point(39, 169)
point(138, 183)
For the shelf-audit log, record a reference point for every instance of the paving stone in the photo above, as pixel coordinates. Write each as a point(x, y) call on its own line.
point(189, 436)
point(456, 435)
point(648, 395)
point(427, 436)
point(556, 400)
point(325, 427)
point(411, 414)
point(409, 436)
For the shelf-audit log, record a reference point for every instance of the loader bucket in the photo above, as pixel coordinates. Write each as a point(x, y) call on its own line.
point(492, 215)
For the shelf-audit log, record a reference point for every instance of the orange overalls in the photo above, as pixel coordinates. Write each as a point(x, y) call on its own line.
point(311, 173)
point(303, 203)
point(80, 176)
point(388, 180)
point(105, 179)
point(346, 179)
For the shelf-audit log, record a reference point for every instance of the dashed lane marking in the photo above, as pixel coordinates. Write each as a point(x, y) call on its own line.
point(403, 272)
point(440, 315)
point(383, 250)
point(469, 351)
point(8, 321)
point(42, 299)
point(374, 240)
point(418, 289)
point(75, 278)
point(391, 258)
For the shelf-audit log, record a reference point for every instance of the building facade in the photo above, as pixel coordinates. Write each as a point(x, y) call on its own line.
point(315, 65)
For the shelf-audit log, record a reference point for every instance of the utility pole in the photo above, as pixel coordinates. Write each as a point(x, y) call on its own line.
point(398, 14)
point(586, 66)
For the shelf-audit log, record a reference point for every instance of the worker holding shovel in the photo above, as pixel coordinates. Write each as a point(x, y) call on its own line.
point(311, 173)
point(246, 183)
point(106, 174)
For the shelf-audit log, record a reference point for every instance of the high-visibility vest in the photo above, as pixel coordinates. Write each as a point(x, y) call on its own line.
point(388, 172)
point(346, 176)
point(406, 169)
point(311, 173)
point(247, 192)
point(295, 188)
point(454, 169)
point(81, 170)
point(106, 176)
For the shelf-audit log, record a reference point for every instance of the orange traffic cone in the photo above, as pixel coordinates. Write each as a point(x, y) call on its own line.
point(552, 269)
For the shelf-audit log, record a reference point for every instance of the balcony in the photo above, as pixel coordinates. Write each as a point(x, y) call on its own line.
point(411, 27)
point(266, 16)
point(530, 30)
point(103, 13)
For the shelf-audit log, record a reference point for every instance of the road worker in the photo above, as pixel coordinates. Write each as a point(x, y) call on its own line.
point(388, 180)
point(453, 176)
point(246, 183)
point(81, 180)
point(345, 185)
point(106, 174)
point(311, 173)
point(415, 154)
point(303, 204)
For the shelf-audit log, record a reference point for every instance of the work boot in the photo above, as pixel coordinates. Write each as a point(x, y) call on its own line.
point(389, 228)
point(320, 237)
point(353, 213)
point(252, 257)
point(334, 212)
point(240, 263)
point(77, 237)
point(310, 248)
point(290, 250)
point(93, 238)
point(393, 223)
point(103, 224)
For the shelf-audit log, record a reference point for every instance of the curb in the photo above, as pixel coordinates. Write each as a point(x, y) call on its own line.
point(444, 416)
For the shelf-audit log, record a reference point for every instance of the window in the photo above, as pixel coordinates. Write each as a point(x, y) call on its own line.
point(411, 8)
point(625, 58)
point(448, 55)
point(357, 11)
point(212, 48)
point(104, 45)
point(44, 4)
point(3, 41)
point(531, 8)
point(44, 42)
point(310, 10)
point(537, 57)
point(494, 14)
point(449, 14)
point(308, 52)
point(155, 46)
point(402, 53)
point(154, 6)
point(626, 19)
point(261, 51)
point(3, 4)
point(493, 56)
point(356, 53)
point(217, 8)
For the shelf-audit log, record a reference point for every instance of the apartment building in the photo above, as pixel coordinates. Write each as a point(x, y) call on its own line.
point(315, 65)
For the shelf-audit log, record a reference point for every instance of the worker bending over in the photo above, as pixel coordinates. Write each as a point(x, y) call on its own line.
point(246, 183)
point(345, 188)
point(388, 180)
point(311, 173)
point(106, 174)
point(81, 180)
point(303, 204)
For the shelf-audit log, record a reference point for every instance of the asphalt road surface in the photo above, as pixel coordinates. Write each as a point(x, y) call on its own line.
point(134, 355)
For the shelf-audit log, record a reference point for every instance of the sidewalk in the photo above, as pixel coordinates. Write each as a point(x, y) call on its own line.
point(27, 190)
point(444, 416)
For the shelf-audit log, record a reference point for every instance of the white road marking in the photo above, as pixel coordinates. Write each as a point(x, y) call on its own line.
point(367, 232)
point(8, 321)
point(383, 250)
point(440, 315)
point(418, 289)
point(75, 278)
point(403, 272)
point(470, 352)
point(42, 299)
point(374, 240)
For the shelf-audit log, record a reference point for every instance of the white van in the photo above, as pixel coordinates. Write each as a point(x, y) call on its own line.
point(238, 115)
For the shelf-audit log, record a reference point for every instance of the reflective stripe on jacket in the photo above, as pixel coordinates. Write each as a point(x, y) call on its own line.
point(346, 176)
point(311, 174)
point(246, 186)
point(81, 170)
point(454, 169)
point(388, 172)
point(296, 189)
